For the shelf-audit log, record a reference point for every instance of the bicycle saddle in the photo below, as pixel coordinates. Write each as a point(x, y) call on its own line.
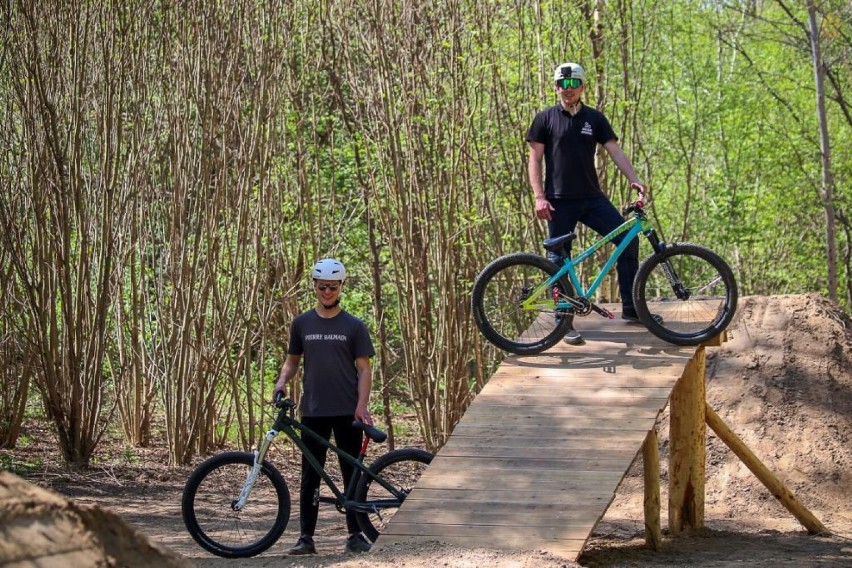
point(557, 244)
point(374, 434)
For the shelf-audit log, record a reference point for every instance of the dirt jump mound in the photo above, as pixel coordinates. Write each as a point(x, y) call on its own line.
point(41, 528)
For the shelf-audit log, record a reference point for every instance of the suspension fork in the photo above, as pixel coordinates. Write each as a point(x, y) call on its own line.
point(251, 478)
point(668, 269)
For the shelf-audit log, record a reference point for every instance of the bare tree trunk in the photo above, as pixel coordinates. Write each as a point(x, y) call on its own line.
point(827, 192)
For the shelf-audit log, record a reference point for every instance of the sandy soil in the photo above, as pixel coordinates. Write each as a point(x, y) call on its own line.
point(783, 383)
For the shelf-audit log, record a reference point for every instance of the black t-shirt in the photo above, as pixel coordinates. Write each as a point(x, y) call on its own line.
point(569, 150)
point(329, 347)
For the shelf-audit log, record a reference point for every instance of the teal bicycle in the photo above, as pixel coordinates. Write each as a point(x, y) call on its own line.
point(518, 298)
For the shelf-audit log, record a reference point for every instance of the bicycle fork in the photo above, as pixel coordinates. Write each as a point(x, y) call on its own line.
point(674, 280)
point(248, 485)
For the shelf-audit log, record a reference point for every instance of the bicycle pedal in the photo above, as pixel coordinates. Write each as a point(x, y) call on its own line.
point(603, 312)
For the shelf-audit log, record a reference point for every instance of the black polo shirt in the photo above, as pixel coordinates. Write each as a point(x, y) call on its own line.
point(569, 150)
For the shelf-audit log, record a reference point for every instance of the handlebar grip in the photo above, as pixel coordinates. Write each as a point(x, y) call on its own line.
point(282, 401)
point(372, 432)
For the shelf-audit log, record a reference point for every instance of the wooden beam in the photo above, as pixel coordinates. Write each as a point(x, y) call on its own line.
point(687, 458)
point(775, 486)
point(651, 468)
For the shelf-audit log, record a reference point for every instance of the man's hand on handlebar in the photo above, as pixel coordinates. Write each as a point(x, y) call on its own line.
point(642, 189)
point(280, 400)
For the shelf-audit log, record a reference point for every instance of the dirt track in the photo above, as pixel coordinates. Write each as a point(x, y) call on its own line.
point(782, 382)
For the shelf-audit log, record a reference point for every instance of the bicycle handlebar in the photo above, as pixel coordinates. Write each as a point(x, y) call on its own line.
point(372, 432)
point(282, 402)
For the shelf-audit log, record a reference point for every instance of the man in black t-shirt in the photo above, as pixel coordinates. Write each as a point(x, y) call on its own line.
point(565, 137)
point(337, 378)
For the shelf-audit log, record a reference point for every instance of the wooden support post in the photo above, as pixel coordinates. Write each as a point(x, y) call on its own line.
point(687, 457)
point(775, 486)
point(651, 468)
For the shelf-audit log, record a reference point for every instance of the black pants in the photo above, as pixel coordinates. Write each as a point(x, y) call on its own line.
point(347, 439)
point(600, 215)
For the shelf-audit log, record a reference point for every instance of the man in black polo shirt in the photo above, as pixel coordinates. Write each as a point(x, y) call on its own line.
point(566, 136)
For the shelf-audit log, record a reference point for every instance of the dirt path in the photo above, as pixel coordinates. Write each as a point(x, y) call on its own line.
point(782, 382)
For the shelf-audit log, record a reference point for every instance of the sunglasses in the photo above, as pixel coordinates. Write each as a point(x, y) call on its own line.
point(324, 287)
point(569, 82)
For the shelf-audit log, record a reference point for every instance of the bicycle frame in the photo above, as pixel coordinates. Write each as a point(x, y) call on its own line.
point(290, 427)
point(633, 226)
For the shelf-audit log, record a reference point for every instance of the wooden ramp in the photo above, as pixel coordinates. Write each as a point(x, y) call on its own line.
point(538, 456)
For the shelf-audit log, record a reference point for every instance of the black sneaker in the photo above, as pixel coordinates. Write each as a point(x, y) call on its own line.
point(630, 315)
point(305, 545)
point(358, 543)
point(573, 337)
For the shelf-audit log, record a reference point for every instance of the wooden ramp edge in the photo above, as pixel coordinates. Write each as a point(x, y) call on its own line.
point(537, 458)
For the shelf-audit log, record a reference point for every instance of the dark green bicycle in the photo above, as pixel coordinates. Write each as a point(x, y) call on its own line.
point(236, 504)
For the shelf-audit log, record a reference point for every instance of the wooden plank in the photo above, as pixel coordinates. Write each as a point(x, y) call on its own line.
point(577, 455)
point(491, 465)
point(564, 480)
point(576, 498)
point(527, 473)
point(599, 391)
point(652, 379)
point(497, 517)
point(581, 399)
point(483, 424)
point(551, 441)
point(490, 533)
point(543, 411)
point(582, 396)
point(521, 541)
point(556, 512)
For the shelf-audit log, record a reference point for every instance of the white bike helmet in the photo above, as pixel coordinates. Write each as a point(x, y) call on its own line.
point(328, 269)
point(569, 70)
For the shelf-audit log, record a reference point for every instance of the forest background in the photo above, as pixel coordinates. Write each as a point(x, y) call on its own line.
point(171, 170)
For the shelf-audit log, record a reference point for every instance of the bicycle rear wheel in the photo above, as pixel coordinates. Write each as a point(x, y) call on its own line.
point(691, 288)
point(208, 506)
point(496, 302)
point(399, 468)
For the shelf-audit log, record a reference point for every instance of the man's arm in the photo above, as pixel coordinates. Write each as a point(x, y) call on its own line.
point(622, 161)
point(365, 385)
point(534, 171)
point(288, 371)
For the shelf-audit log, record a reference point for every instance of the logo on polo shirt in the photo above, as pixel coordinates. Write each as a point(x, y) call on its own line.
point(587, 129)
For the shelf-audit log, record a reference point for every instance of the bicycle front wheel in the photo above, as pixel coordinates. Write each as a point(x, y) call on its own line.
point(498, 293)
point(400, 469)
point(209, 506)
point(691, 288)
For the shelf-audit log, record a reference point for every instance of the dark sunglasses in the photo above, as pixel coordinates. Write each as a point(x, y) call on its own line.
point(324, 287)
point(569, 82)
